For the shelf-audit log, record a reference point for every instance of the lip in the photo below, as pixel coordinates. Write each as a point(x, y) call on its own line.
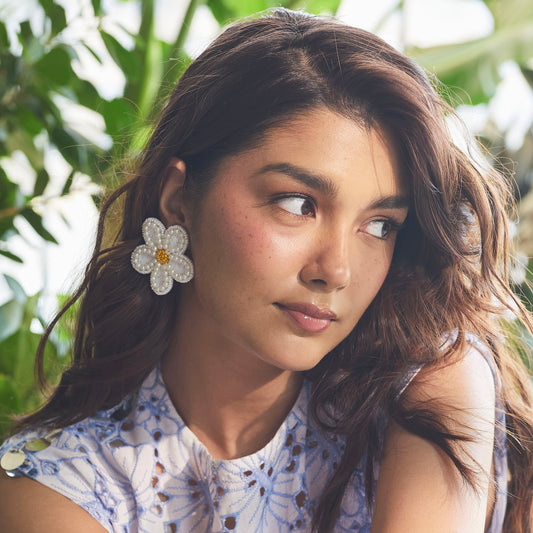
point(308, 316)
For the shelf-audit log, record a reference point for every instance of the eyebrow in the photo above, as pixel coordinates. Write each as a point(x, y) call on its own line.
point(313, 181)
point(391, 202)
point(328, 188)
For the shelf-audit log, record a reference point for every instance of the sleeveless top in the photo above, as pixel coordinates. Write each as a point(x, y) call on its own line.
point(137, 468)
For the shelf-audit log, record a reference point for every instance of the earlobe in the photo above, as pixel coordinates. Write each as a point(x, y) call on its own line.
point(171, 200)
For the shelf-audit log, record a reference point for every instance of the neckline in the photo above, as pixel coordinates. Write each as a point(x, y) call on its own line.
point(297, 412)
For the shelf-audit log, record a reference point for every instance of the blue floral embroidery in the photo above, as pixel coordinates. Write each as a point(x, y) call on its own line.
point(137, 468)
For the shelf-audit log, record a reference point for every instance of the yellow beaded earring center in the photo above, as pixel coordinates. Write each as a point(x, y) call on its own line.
point(162, 256)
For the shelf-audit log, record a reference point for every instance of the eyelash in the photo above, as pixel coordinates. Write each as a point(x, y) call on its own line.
point(394, 225)
point(278, 198)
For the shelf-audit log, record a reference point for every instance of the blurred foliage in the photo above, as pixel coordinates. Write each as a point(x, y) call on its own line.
point(40, 80)
point(474, 66)
point(18, 344)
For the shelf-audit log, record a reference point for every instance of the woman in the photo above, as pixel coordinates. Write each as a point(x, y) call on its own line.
point(318, 346)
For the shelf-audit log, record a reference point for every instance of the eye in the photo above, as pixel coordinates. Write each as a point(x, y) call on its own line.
point(297, 205)
point(382, 228)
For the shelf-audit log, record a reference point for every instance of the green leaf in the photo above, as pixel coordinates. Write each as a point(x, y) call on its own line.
point(125, 59)
point(474, 66)
point(471, 84)
point(11, 256)
point(140, 138)
point(68, 183)
point(154, 63)
point(220, 11)
point(522, 340)
point(317, 7)
point(25, 33)
point(56, 14)
point(36, 222)
point(7, 228)
point(18, 355)
point(16, 288)
point(11, 314)
point(65, 221)
point(119, 115)
point(528, 75)
point(4, 37)
point(32, 47)
point(51, 114)
point(92, 52)
point(97, 199)
point(86, 94)
point(227, 10)
point(509, 12)
point(503, 44)
point(10, 74)
point(8, 191)
point(97, 7)
point(9, 403)
point(55, 68)
point(41, 182)
point(29, 120)
point(63, 334)
point(72, 149)
point(20, 139)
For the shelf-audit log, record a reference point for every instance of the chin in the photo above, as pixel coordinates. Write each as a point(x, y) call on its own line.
point(300, 364)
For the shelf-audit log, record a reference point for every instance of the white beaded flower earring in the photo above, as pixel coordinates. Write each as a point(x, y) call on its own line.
point(162, 256)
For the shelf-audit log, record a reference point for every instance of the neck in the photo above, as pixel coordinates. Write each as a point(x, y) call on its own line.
point(230, 399)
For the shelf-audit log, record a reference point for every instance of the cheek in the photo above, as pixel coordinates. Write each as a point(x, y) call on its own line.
point(252, 246)
point(372, 270)
point(379, 269)
point(238, 250)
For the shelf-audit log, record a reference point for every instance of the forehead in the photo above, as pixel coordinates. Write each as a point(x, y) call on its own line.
point(331, 145)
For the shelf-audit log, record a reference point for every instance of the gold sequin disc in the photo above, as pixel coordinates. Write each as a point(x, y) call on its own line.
point(12, 459)
point(36, 445)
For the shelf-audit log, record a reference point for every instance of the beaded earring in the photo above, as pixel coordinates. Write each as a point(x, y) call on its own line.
point(162, 256)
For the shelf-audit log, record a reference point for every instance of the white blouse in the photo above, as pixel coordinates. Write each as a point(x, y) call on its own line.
point(138, 468)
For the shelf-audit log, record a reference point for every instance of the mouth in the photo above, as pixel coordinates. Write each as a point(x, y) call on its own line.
point(308, 316)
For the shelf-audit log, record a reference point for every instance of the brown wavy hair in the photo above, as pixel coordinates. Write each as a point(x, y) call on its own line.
point(448, 273)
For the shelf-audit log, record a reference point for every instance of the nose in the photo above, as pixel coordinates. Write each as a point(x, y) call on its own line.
point(328, 265)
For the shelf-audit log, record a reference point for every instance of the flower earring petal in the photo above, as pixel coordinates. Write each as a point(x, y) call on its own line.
point(160, 280)
point(181, 269)
point(153, 230)
point(162, 256)
point(142, 259)
point(175, 239)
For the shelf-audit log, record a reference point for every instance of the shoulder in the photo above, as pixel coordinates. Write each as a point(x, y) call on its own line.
point(72, 469)
point(419, 488)
point(29, 507)
point(66, 470)
point(97, 467)
point(464, 387)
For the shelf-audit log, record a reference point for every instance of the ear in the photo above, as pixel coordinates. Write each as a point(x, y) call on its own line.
point(171, 199)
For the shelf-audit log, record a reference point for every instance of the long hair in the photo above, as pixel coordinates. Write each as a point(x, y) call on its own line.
point(448, 274)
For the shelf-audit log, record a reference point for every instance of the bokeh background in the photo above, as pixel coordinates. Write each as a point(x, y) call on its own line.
point(81, 81)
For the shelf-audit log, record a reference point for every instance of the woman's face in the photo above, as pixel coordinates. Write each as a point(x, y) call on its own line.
point(294, 239)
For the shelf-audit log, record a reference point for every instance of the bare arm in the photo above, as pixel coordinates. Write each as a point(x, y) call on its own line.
point(419, 489)
point(26, 506)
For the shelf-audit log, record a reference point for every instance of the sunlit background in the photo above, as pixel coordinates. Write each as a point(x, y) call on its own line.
point(81, 81)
